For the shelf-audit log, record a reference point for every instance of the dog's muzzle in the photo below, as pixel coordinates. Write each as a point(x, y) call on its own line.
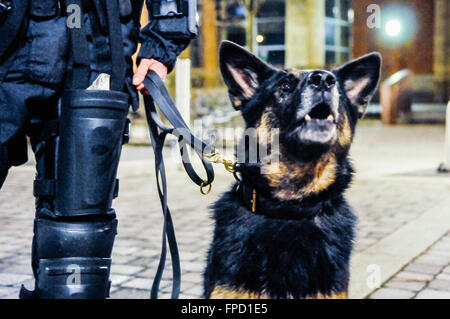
point(316, 121)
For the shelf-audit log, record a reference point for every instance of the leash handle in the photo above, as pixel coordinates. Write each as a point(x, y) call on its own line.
point(158, 133)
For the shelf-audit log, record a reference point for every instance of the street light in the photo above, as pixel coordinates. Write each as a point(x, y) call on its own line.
point(399, 24)
point(393, 28)
point(259, 38)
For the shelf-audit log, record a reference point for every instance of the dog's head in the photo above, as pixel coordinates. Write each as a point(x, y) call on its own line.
point(315, 110)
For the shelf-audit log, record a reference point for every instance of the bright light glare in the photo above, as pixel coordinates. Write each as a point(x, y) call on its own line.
point(393, 28)
point(259, 38)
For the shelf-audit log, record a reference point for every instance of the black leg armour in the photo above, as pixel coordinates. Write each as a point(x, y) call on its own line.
point(74, 230)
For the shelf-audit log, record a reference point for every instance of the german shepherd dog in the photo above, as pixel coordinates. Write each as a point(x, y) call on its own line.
point(288, 232)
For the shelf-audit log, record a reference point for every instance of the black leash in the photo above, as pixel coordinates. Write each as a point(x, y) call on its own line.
point(158, 133)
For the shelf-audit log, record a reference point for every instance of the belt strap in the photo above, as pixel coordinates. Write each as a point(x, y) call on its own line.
point(158, 132)
point(80, 48)
point(80, 52)
point(118, 66)
point(44, 188)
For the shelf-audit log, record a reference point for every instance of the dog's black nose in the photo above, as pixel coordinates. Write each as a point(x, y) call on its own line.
point(321, 80)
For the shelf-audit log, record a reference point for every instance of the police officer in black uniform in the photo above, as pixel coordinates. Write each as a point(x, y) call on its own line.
point(51, 51)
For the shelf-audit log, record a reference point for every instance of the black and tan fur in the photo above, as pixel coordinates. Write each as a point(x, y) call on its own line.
point(255, 255)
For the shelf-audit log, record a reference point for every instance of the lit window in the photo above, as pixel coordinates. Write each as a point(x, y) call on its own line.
point(338, 31)
point(270, 25)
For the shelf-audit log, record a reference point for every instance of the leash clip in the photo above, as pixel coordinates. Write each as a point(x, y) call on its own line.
point(217, 158)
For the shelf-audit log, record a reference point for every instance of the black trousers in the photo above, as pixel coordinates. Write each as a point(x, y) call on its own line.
point(32, 104)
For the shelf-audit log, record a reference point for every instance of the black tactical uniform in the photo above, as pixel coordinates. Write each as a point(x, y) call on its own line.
point(33, 61)
point(76, 164)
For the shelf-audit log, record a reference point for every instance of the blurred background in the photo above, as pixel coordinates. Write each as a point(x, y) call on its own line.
point(412, 36)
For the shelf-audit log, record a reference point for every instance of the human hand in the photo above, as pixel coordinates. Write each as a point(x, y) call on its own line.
point(141, 72)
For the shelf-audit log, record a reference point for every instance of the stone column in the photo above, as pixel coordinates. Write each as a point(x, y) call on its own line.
point(442, 47)
point(305, 33)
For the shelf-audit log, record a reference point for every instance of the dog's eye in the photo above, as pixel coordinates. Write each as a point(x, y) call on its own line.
point(285, 86)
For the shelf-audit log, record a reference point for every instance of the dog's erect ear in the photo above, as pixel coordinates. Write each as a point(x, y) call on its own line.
point(359, 79)
point(242, 72)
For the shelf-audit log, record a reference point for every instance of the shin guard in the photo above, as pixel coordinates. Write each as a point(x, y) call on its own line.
point(75, 225)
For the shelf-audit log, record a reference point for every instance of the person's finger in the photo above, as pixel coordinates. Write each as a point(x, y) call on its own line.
point(160, 69)
point(141, 71)
point(140, 87)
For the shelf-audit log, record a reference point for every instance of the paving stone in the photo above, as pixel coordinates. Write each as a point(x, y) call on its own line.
point(392, 293)
point(439, 252)
point(119, 279)
point(14, 295)
point(125, 250)
point(125, 269)
point(440, 285)
point(434, 260)
point(186, 256)
point(193, 277)
point(129, 293)
point(186, 296)
point(186, 285)
point(416, 267)
point(443, 276)
point(8, 291)
point(411, 276)
point(406, 285)
point(433, 294)
point(121, 259)
point(446, 270)
point(195, 291)
point(139, 283)
point(194, 266)
point(7, 279)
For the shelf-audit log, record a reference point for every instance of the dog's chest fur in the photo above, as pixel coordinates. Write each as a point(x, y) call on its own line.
point(252, 256)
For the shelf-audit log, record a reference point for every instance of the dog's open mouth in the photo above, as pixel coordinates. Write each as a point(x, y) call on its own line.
point(319, 125)
point(321, 111)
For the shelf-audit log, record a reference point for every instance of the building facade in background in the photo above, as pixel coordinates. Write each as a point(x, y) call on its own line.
point(326, 33)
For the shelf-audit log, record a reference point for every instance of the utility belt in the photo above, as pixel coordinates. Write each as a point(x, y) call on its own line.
point(176, 19)
point(49, 9)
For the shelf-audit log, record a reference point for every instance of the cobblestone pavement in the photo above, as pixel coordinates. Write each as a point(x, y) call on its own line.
point(425, 277)
point(395, 183)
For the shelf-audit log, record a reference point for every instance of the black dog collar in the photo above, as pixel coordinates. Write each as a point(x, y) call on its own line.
point(270, 208)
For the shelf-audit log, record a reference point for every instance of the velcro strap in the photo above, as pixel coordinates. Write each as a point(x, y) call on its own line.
point(126, 132)
point(44, 188)
point(51, 129)
point(116, 188)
